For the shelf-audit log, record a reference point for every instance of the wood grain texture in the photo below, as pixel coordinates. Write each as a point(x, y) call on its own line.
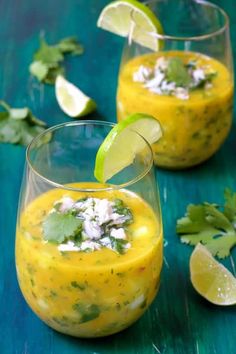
point(179, 321)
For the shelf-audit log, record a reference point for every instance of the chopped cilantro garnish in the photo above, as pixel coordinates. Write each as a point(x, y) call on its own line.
point(173, 76)
point(46, 65)
point(77, 285)
point(87, 312)
point(177, 72)
point(57, 227)
point(70, 45)
point(88, 224)
point(215, 227)
point(118, 244)
point(18, 125)
point(121, 209)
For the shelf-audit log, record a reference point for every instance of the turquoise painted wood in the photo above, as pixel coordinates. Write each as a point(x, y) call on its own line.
point(179, 321)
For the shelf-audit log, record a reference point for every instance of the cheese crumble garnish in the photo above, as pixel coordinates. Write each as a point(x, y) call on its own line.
point(103, 224)
point(162, 80)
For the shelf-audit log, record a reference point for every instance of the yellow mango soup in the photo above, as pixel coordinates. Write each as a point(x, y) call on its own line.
point(193, 128)
point(89, 294)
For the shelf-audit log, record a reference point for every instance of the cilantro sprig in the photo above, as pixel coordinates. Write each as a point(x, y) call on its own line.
point(58, 227)
point(48, 59)
point(178, 73)
point(120, 208)
point(182, 74)
point(210, 224)
point(74, 224)
point(18, 125)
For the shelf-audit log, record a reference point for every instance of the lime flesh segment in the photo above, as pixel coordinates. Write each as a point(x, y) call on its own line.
point(121, 145)
point(130, 18)
point(72, 100)
point(211, 279)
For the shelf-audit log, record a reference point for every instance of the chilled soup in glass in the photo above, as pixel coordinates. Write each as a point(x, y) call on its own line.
point(100, 280)
point(195, 111)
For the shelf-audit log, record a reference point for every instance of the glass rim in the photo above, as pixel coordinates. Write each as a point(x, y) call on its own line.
point(199, 37)
point(109, 187)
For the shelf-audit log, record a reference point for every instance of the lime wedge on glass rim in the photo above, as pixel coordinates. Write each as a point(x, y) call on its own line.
point(211, 279)
point(132, 19)
point(120, 146)
point(71, 99)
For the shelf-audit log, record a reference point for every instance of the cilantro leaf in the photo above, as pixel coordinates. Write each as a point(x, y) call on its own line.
point(18, 125)
point(207, 224)
point(70, 45)
point(48, 54)
point(120, 208)
point(230, 205)
point(118, 244)
point(52, 74)
point(46, 65)
point(58, 227)
point(39, 70)
point(178, 73)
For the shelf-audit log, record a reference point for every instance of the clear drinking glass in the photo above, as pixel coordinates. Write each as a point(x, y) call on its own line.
point(86, 293)
point(195, 127)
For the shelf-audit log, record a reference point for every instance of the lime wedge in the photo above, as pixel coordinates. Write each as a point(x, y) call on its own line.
point(120, 146)
point(72, 100)
point(130, 18)
point(211, 279)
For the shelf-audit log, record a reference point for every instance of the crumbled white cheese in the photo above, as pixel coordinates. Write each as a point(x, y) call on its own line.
point(118, 218)
point(99, 219)
point(118, 233)
point(106, 242)
point(91, 245)
point(142, 74)
point(199, 75)
point(182, 93)
point(66, 204)
point(168, 86)
point(161, 64)
point(127, 245)
point(69, 246)
point(92, 229)
point(103, 210)
point(155, 80)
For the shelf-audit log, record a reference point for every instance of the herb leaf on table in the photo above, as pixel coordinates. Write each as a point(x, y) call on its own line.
point(18, 125)
point(70, 45)
point(46, 65)
point(210, 225)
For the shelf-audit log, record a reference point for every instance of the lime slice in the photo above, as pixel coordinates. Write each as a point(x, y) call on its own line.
point(130, 18)
point(72, 100)
point(211, 279)
point(119, 148)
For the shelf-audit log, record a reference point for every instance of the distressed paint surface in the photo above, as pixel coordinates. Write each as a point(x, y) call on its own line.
point(179, 321)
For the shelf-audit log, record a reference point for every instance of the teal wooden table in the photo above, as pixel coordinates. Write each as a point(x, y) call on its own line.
point(179, 321)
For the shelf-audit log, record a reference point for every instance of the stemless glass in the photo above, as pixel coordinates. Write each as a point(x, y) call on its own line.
point(193, 128)
point(81, 293)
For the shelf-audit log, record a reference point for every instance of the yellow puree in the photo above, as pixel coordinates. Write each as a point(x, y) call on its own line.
point(193, 129)
point(89, 294)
